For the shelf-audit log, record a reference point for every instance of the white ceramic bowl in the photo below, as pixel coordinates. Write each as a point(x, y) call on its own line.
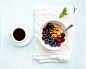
point(47, 46)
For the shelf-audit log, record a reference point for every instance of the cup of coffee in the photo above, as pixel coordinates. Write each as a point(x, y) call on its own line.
point(18, 34)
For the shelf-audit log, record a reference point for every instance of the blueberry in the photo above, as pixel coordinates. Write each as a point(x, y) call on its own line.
point(55, 45)
point(46, 39)
point(50, 40)
point(51, 45)
point(45, 42)
point(53, 42)
point(44, 34)
point(53, 36)
point(47, 33)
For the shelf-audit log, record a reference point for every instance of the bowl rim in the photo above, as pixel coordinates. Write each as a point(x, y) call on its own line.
point(52, 48)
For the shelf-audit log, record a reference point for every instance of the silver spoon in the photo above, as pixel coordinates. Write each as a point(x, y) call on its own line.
point(68, 28)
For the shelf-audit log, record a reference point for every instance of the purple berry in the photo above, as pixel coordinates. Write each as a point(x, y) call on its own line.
point(48, 35)
point(44, 28)
point(49, 24)
point(52, 26)
point(49, 29)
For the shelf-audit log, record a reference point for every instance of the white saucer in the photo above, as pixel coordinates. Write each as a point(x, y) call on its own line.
point(27, 39)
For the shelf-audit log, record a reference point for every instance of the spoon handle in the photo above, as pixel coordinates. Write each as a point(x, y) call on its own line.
point(68, 27)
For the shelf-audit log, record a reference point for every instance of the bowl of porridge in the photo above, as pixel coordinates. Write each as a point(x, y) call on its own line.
point(51, 36)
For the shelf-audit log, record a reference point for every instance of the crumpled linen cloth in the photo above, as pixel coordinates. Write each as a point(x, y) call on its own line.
point(42, 15)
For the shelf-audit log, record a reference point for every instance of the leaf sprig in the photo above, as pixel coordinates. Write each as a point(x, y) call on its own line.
point(63, 13)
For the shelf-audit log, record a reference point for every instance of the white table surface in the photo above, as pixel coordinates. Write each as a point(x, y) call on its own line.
point(22, 11)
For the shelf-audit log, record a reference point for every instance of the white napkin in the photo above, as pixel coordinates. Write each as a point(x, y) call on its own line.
point(42, 15)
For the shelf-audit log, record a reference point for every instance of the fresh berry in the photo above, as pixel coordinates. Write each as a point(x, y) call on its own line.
point(45, 42)
point(56, 42)
point(51, 45)
point(46, 39)
point(50, 38)
point(53, 42)
point(56, 38)
point(48, 35)
point(43, 32)
point(62, 40)
point(49, 29)
point(53, 36)
point(44, 28)
point(49, 24)
point(59, 44)
point(55, 45)
point(43, 38)
point(52, 26)
point(62, 35)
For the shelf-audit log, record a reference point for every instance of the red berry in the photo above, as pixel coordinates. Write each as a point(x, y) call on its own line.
point(56, 38)
point(59, 44)
point(62, 40)
point(43, 38)
point(43, 32)
point(62, 35)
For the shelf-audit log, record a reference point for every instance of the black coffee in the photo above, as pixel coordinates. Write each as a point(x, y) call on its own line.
point(19, 34)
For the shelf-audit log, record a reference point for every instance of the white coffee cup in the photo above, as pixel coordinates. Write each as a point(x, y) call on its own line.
point(13, 37)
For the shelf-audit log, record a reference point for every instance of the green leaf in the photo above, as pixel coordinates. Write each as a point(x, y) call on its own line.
point(64, 10)
point(61, 15)
point(65, 13)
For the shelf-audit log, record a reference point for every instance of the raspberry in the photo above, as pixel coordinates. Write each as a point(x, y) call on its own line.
point(56, 38)
point(62, 35)
point(59, 44)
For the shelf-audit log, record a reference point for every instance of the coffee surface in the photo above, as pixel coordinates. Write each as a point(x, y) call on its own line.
point(19, 34)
